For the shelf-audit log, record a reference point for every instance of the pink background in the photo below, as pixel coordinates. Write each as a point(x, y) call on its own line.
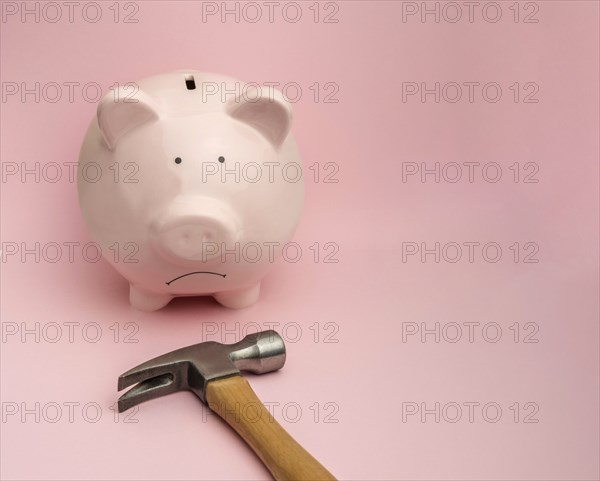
point(370, 294)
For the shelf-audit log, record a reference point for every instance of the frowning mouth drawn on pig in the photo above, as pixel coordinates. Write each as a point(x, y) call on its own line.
point(197, 272)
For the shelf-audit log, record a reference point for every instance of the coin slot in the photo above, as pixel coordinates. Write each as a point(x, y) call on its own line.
point(190, 83)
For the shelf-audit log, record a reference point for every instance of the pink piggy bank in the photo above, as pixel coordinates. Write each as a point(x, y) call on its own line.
point(191, 184)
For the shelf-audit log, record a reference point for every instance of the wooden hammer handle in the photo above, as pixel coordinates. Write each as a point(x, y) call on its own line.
point(233, 399)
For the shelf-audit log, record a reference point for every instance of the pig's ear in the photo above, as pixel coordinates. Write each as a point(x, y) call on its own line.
point(265, 110)
point(117, 118)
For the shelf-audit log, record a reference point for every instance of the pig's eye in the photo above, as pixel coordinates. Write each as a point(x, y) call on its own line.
point(178, 160)
point(221, 159)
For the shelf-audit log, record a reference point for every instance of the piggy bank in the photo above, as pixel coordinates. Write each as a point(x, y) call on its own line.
point(190, 184)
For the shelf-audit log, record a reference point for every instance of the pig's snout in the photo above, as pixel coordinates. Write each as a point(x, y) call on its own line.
point(199, 238)
point(195, 230)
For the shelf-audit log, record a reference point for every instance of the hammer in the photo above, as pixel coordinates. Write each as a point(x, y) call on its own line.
point(211, 370)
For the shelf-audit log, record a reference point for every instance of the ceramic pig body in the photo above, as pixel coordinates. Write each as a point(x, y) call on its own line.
point(199, 189)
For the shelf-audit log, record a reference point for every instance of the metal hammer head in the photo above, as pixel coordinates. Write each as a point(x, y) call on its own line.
point(193, 367)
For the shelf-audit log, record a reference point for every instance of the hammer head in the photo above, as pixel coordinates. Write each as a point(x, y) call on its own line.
point(192, 368)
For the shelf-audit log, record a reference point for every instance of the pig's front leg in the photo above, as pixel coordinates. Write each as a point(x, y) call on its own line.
point(240, 298)
point(147, 301)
